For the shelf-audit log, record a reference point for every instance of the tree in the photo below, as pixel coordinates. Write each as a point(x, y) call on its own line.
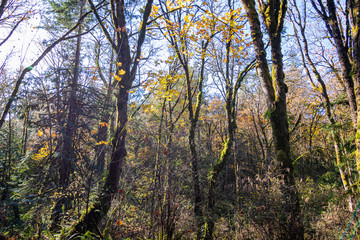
point(125, 74)
point(273, 14)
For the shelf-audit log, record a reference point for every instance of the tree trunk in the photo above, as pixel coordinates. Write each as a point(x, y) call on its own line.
point(195, 176)
point(125, 77)
point(25, 130)
point(2, 6)
point(170, 207)
point(290, 219)
point(193, 118)
point(157, 173)
point(273, 13)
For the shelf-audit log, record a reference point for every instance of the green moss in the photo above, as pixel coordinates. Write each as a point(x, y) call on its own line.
point(358, 134)
point(224, 151)
point(281, 156)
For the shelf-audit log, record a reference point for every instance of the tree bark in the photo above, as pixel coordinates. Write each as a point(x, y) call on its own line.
point(2, 7)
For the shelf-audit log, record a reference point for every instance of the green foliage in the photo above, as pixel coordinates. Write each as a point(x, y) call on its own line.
point(65, 13)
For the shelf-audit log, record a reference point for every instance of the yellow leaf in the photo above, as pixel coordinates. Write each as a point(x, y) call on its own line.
point(102, 142)
point(187, 18)
point(117, 78)
point(119, 64)
point(155, 9)
point(40, 133)
point(121, 72)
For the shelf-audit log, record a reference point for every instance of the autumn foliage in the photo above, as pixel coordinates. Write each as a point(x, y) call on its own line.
point(169, 119)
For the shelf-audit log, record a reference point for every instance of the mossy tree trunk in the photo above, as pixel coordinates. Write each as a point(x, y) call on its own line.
point(275, 89)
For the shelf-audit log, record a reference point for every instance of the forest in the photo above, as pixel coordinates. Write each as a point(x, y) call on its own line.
point(170, 119)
